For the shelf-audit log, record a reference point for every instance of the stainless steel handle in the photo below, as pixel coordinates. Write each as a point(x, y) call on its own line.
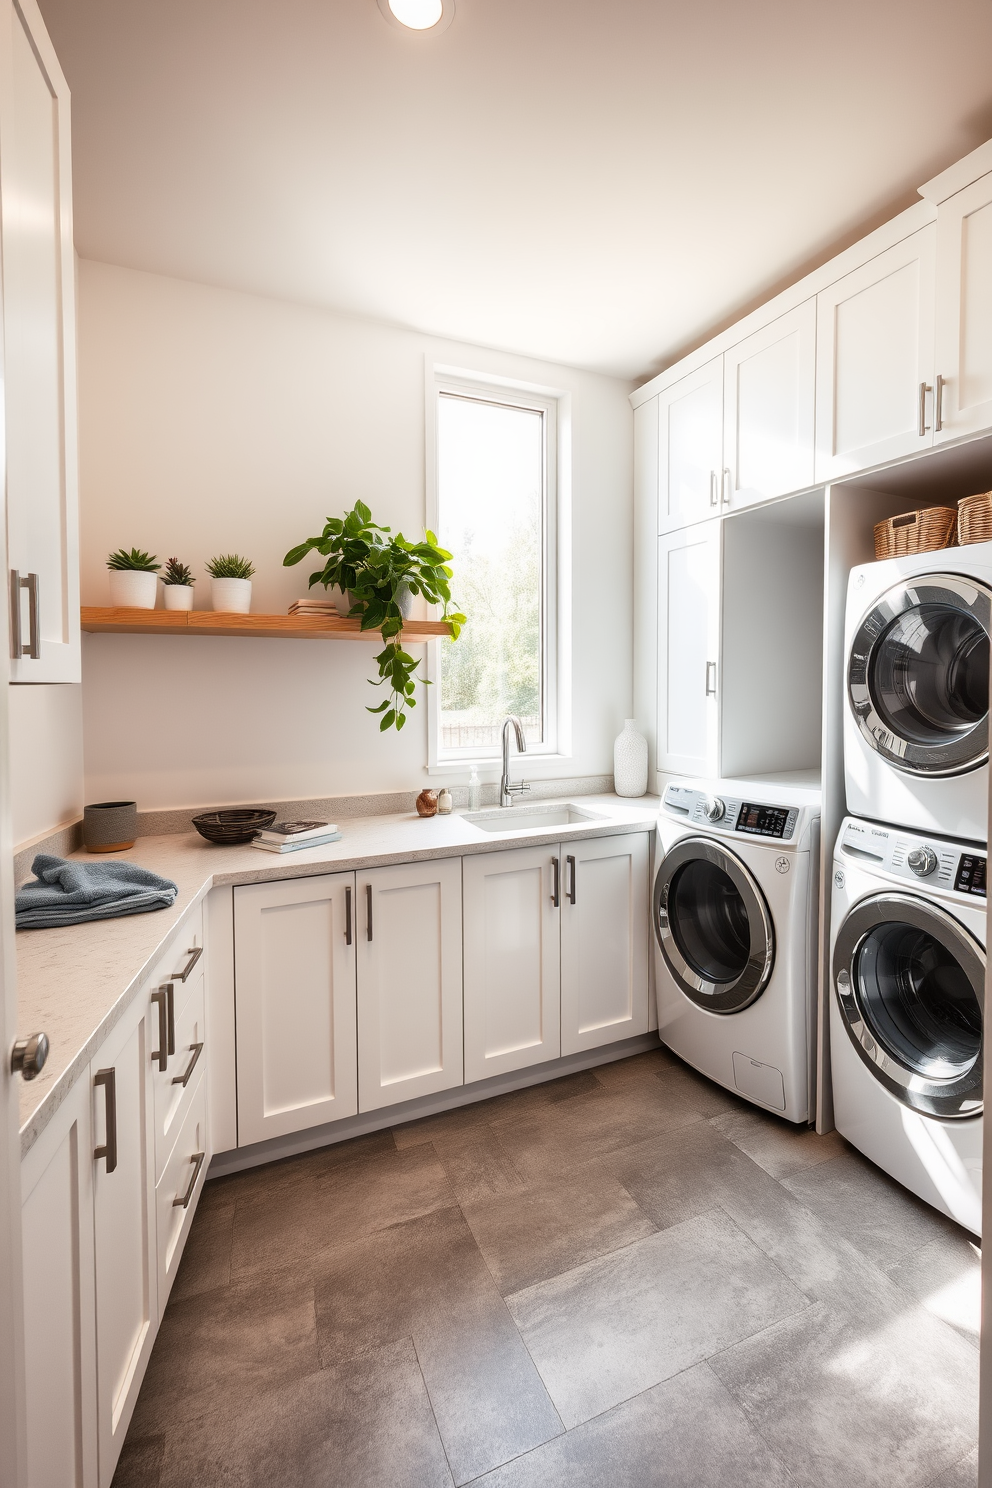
point(711, 672)
point(571, 879)
point(556, 891)
point(170, 1004)
point(714, 496)
point(28, 1056)
point(108, 1079)
point(17, 647)
point(347, 916)
point(368, 911)
point(726, 487)
point(183, 1079)
point(194, 953)
point(197, 1160)
point(160, 999)
point(922, 425)
point(938, 405)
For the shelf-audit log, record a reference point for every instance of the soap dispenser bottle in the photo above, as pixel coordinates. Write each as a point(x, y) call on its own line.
point(474, 789)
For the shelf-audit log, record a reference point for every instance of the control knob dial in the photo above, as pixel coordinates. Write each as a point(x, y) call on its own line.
point(714, 809)
point(923, 861)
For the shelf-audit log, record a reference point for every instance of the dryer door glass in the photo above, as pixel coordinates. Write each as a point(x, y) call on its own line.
point(709, 921)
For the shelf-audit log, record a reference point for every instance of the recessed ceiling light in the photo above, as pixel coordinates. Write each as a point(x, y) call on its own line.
point(418, 15)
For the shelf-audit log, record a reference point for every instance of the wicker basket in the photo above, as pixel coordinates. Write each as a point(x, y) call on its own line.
point(975, 518)
point(237, 825)
point(916, 532)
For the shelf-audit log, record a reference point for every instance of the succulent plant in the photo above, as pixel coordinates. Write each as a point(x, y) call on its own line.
point(177, 573)
point(230, 566)
point(136, 559)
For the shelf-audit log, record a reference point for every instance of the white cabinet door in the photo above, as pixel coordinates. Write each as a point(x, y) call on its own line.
point(963, 360)
point(874, 360)
point(690, 447)
point(768, 407)
point(59, 1321)
point(124, 1225)
point(409, 931)
point(604, 941)
point(512, 959)
point(39, 353)
point(179, 1188)
point(689, 583)
point(296, 1016)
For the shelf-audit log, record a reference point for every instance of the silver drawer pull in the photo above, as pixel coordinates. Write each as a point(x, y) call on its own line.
point(194, 953)
point(164, 1000)
point(108, 1079)
point(183, 1080)
point(197, 1161)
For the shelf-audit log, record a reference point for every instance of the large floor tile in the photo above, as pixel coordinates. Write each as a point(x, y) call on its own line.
point(963, 1474)
point(140, 1463)
point(506, 1107)
point(477, 1164)
point(776, 1145)
point(206, 1262)
point(946, 1276)
point(616, 1326)
point(426, 1279)
point(541, 1231)
point(847, 1402)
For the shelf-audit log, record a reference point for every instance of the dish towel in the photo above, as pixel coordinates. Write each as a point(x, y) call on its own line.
point(64, 893)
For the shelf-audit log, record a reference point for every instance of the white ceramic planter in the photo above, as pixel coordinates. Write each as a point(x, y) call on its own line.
point(133, 589)
point(231, 595)
point(630, 762)
point(177, 596)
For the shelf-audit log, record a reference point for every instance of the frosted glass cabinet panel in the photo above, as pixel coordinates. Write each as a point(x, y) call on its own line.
point(689, 650)
point(690, 447)
point(768, 403)
point(963, 361)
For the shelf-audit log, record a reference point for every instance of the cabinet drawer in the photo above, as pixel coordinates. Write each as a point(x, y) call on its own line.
point(175, 1084)
point(178, 1190)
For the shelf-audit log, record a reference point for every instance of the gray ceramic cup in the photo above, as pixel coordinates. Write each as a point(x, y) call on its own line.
point(110, 826)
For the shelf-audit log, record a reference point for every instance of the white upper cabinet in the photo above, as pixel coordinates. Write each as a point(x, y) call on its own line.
point(689, 575)
point(39, 352)
point(768, 406)
point(690, 448)
point(604, 940)
point(963, 361)
point(874, 360)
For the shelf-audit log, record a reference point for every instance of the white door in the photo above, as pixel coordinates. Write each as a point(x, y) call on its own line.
point(59, 1298)
point(874, 360)
point(768, 406)
point(409, 930)
point(604, 941)
point(690, 447)
point(39, 352)
point(294, 958)
point(963, 360)
point(689, 581)
point(511, 912)
point(124, 1225)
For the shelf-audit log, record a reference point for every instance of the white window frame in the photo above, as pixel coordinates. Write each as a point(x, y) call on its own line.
point(543, 759)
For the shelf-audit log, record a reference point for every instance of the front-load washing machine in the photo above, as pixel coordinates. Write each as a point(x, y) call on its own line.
point(734, 913)
point(916, 721)
point(906, 1006)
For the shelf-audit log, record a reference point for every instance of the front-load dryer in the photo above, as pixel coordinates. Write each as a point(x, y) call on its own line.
point(734, 912)
point(906, 1009)
point(916, 716)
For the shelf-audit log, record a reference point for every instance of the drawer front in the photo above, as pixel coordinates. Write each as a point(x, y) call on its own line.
point(175, 1084)
point(179, 1188)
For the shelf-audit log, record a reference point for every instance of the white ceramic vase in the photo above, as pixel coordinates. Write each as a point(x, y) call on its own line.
point(177, 596)
point(133, 589)
point(630, 762)
point(231, 595)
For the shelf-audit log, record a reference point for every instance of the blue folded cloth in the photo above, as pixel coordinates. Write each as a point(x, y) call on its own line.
point(64, 893)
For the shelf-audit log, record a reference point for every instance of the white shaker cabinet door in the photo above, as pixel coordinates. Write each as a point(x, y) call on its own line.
point(768, 407)
point(963, 361)
point(874, 360)
point(59, 1299)
point(39, 352)
point(604, 941)
point(690, 447)
point(409, 943)
point(124, 1225)
point(512, 959)
point(294, 955)
point(689, 585)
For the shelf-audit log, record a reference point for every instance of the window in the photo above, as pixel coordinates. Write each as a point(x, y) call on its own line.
point(496, 467)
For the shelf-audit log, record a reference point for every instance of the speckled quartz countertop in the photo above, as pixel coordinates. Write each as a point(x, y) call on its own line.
point(75, 983)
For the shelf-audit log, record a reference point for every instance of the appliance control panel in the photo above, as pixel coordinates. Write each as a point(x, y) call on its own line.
point(731, 814)
point(918, 860)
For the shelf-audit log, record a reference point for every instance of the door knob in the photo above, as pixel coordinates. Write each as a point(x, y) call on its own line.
point(28, 1055)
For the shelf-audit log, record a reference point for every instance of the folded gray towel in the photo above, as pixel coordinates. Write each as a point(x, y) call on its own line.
point(64, 893)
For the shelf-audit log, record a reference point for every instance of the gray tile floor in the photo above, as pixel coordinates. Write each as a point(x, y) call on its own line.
point(626, 1277)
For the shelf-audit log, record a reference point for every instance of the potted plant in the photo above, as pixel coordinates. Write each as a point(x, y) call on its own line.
point(381, 574)
point(177, 585)
point(133, 579)
point(230, 583)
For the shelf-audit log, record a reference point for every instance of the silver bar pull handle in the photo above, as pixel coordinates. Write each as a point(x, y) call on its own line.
point(33, 648)
point(571, 879)
point(160, 1056)
point(183, 1202)
point(714, 496)
point(726, 488)
point(938, 405)
point(368, 911)
point(711, 679)
point(17, 646)
point(108, 1079)
point(922, 426)
point(194, 953)
point(183, 1079)
point(556, 880)
point(347, 916)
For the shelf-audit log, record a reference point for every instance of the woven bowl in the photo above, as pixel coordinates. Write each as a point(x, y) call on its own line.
point(230, 827)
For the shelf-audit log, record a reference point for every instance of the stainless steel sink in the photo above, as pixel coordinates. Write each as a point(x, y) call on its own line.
point(508, 820)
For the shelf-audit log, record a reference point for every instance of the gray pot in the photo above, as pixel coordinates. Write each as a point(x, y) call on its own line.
point(110, 826)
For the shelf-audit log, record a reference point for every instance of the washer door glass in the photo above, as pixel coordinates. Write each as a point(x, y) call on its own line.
point(713, 926)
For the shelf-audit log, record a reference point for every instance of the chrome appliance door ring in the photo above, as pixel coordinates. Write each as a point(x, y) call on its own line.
point(743, 988)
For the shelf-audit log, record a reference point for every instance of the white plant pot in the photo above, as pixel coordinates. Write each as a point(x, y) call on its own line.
point(231, 595)
point(133, 589)
point(177, 596)
point(630, 762)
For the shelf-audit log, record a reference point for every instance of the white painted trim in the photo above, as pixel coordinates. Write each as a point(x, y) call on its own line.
point(956, 177)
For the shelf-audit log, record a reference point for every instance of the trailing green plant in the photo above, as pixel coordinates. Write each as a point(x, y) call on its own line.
point(372, 565)
point(177, 573)
point(136, 559)
point(230, 566)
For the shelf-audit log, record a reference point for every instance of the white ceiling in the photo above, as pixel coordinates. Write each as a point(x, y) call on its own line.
point(600, 184)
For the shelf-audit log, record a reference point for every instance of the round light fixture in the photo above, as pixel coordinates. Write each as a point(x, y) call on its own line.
point(418, 15)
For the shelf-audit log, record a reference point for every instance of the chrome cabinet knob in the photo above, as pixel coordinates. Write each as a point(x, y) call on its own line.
point(28, 1055)
point(713, 809)
point(922, 861)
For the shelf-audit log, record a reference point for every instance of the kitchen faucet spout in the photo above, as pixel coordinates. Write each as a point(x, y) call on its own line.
point(506, 790)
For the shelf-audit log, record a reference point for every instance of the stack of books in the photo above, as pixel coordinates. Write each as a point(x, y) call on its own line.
point(313, 606)
point(292, 836)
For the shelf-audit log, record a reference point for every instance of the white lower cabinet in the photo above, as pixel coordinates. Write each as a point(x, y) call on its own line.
point(604, 940)
point(178, 1191)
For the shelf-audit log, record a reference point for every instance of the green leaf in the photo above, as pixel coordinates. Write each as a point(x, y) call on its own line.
point(388, 720)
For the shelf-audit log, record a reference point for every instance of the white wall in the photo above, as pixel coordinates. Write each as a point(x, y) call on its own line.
point(46, 758)
point(215, 421)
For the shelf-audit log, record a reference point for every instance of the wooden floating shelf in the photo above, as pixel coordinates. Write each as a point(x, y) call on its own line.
point(217, 623)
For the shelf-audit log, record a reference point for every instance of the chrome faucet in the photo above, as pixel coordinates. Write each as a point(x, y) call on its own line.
point(506, 790)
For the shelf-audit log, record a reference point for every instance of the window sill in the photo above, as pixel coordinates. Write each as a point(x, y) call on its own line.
point(522, 766)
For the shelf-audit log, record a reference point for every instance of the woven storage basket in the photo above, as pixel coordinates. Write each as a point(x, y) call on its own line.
point(975, 518)
point(916, 532)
